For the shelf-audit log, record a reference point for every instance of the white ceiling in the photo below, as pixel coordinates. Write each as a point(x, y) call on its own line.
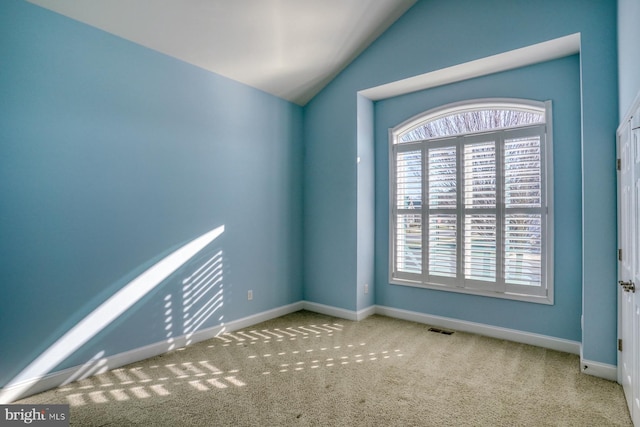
point(289, 48)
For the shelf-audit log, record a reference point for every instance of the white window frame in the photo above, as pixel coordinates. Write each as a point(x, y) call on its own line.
point(543, 294)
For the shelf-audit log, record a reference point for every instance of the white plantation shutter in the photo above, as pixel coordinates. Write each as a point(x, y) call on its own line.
point(408, 213)
point(442, 178)
point(523, 238)
point(480, 254)
point(470, 212)
point(443, 202)
point(524, 210)
point(443, 245)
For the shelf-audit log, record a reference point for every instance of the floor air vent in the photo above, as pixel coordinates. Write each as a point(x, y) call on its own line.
point(440, 331)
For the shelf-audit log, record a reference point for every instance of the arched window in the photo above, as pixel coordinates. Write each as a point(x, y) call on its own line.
point(471, 199)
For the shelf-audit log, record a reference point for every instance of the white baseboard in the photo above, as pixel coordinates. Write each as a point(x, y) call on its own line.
point(598, 369)
point(14, 392)
point(366, 312)
point(330, 310)
point(538, 340)
point(342, 313)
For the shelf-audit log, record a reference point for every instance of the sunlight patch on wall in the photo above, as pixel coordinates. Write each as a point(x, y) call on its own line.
point(103, 315)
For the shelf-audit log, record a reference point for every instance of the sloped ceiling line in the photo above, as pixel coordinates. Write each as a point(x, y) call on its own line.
point(288, 48)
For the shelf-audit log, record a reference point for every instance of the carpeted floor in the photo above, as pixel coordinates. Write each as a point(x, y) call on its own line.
point(309, 369)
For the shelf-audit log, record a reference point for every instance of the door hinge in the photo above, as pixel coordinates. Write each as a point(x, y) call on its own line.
point(619, 164)
point(620, 344)
point(619, 254)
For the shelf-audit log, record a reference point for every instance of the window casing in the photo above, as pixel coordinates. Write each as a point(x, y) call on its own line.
point(471, 201)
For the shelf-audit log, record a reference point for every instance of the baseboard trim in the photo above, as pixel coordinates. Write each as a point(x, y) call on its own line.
point(366, 312)
point(342, 313)
point(530, 338)
point(330, 310)
point(598, 369)
point(538, 340)
point(99, 365)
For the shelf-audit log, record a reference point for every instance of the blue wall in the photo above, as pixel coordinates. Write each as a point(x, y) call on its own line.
point(628, 52)
point(330, 198)
point(111, 155)
point(433, 35)
point(365, 290)
point(558, 81)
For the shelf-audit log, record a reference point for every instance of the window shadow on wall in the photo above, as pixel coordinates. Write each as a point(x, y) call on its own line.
point(169, 303)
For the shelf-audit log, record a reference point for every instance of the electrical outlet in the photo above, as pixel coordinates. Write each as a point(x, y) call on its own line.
point(250, 295)
point(366, 288)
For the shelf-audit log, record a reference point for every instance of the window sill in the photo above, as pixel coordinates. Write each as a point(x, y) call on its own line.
point(547, 300)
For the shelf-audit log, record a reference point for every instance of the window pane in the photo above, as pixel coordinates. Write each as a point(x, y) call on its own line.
point(473, 121)
point(442, 245)
point(522, 173)
point(409, 180)
point(523, 249)
point(409, 243)
point(480, 175)
point(442, 178)
point(480, 247)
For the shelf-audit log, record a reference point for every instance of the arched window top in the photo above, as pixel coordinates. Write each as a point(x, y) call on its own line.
point(470, 117)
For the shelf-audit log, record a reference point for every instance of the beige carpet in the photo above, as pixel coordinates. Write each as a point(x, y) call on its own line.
point(312, 370)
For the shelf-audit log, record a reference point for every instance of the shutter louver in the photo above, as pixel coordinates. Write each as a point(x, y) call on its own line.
point(480, 175)
point(409, 243)
point(409, 180)
point(480, 247)
point(442, 245)
point(522, 173)
point(523, 248)
point(442, 178)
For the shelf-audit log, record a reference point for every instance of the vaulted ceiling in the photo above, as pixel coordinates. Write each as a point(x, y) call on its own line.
point(289, 48)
